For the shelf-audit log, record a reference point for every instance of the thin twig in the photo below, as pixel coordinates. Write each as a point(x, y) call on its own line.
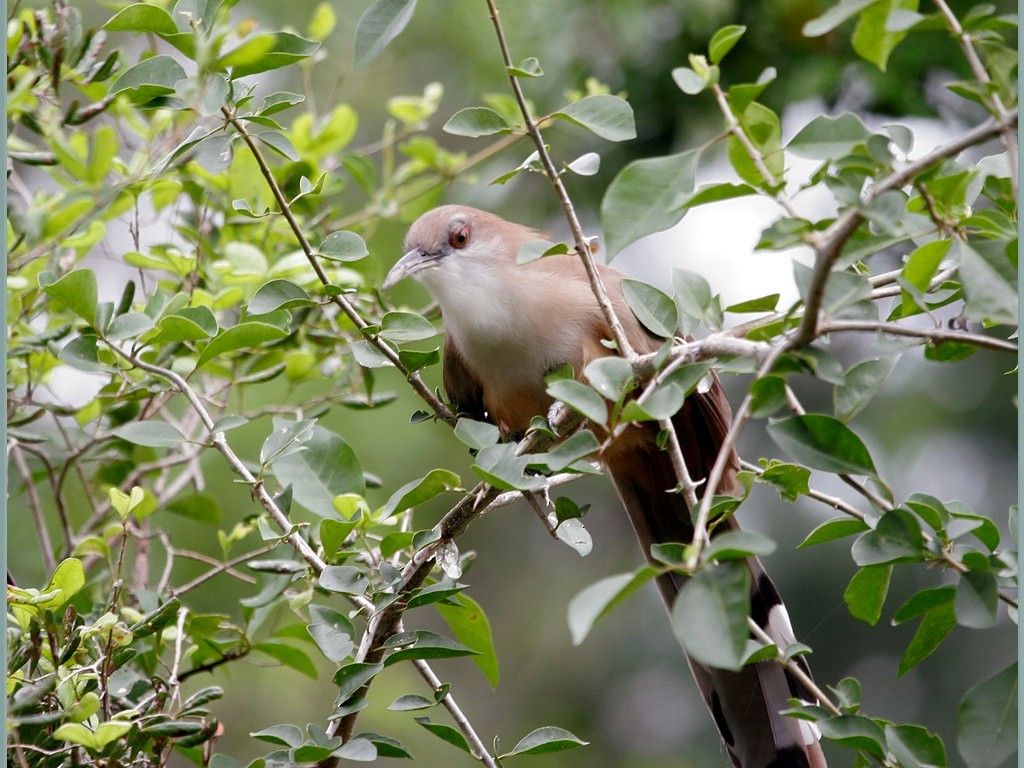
point(934, 334)
point(582, 244)
point(33, 502)
point(479, 751)
point(794, 669)
point(413, 377)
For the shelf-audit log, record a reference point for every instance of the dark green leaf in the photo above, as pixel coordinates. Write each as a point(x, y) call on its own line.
point(644, 198)
point(872, 39)
point(822, 442)
point(790, 480)
point(77, 291)
point(710, 615)
point(594, 602)
point(831, 530)
point(343, 245)
point(545, 740)
point(476, 121)
point(915, 747)
point(351, 677)
point(936, 624)
point(977, 603)
point(768, 394)
point(989, 280)
point(326, 468)
point(142, 17)
point(866, 592)
point(859, 386)
point(828, 138)
point(427, 645)
point(733, 545)
point(922, 602)
point(987, 720)
point(242, 336)
point(765, 132)
point(277, 294)
point(580, 397)
point(723, 40)
point(201, 507)
point(346, 579)
point(149, 79)
point(381, 23)
point(761, 304)
point(151, 433)
point(411, 702)
point(288, 655)
point(416, 492)
point(896, 538)
point(264, 52)
point(656, 311)
point(470, 626)
point(609, 117)
point(445, 732)
point(856, 732)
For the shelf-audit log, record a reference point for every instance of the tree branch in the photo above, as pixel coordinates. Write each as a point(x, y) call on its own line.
point(933, 334)
point(582, 244)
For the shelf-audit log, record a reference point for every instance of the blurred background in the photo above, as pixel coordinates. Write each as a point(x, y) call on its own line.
point(947, 430)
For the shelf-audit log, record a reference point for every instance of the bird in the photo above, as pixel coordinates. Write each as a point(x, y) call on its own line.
point(507, 325)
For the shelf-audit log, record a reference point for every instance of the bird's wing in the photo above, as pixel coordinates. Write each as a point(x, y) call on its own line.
point(461, 385)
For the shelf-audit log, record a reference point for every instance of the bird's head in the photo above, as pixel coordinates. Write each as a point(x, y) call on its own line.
point(456, 242)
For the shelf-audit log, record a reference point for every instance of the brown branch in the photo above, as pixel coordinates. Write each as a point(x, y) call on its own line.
point(933, 334)
point(34, 505)
point(479, 751)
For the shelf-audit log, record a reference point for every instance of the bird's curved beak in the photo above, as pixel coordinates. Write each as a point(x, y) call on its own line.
point(410, 264)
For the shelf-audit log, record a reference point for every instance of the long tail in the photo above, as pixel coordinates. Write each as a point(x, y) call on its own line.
point(745, 704)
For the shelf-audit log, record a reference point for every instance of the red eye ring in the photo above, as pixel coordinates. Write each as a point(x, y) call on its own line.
point(458, 237)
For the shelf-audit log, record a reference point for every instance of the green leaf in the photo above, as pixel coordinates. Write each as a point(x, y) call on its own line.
point(831, 530)
point(152, 433)
point(866, 592)
point(835, 16)
point(738, 545)
point(594, 602)
point(149, 79)
point(264, 52)
point(128, 326)
point(914, 747)
point(611, 375)
point(923, 262)
point(760, 304)
point(693, 297)
point(742, 94)
point(986, 722)
point(95, 740)
point(327, 467)
point(350, 678)
point(768, 394)
point(822, 442)
point(689, 81)
point(424, 645)
point(790, 480)
point(936, 624)
point(67, 579)
point(187, 324)
point(277, 294)
point(284, 735)
point(607, 116)
point(896, 538)
point(922, 602)
point(343, 245)
point(346, 579)
point(655, 310)
point(381, 23)
point(829, 138)
point(446, 733)
point(476, 121)
point(859, 386)
point(977, 602)
point(723, 41)
point(142, 17)
point(470, 626)
point(989, 280)
point(586, 165)
point(872, 38)
point(579, 446)
point(477, 434)
point(856, 732)
point(765, 132)
point(411, 702)
point(501, 467)
point(242, 336)
point(200, 507)
point(77, 291)
point(528, 67)
point(406, 326)
point(710, 615)
point(545, 740)
point(581, 398)
point(644, 198)
point(417, 492)
point(663, 403)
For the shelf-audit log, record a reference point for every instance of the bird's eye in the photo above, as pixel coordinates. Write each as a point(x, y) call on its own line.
point(459, 236)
